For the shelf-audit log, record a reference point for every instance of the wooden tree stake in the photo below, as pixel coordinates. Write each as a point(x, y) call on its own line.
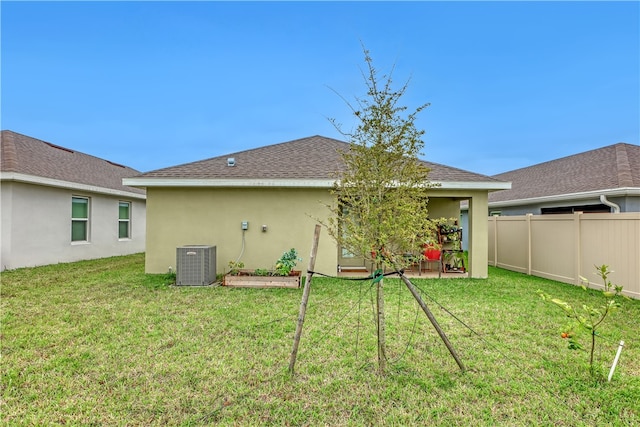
point(305, 298)
point(433, 320)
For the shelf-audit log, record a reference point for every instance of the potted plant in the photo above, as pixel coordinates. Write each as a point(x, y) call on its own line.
point(431, 251)
point(235, 267)
point(453, 257)
point(282, 275)
point(449, 236)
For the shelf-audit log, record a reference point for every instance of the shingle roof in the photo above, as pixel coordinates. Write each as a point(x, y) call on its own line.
point(22, 154)
point(611, 167)
point(314, 157)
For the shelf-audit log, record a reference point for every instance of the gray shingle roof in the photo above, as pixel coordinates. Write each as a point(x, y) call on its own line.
point(30, 156)
point(314, 157)
point(611, 167)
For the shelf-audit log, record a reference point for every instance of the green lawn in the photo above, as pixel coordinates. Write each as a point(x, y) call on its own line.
point(101, 343)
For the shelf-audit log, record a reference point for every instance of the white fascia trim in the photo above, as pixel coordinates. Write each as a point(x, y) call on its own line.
point(49, 182)
point(472, 185)
point(172, 182)
point(625, 191)
point(291, 183)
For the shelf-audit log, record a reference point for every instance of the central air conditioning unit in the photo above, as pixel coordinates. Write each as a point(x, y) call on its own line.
point(196, 265)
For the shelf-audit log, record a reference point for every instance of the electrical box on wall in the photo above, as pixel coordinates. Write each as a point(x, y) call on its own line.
point(245, 225)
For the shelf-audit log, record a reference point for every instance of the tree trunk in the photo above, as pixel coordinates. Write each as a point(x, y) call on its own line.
point(593, 347)
point(382, 344)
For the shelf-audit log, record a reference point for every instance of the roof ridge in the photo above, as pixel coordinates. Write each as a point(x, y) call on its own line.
point(35, 157)
point(625, 177)
point(241, 152)
point(279, 144)
point(453, 168)
point(564, 158)
point(9, 153)
point(311, 158)
point(13, 133)
point(67, 149)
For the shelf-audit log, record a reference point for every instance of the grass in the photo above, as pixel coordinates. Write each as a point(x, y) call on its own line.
point(101, 343)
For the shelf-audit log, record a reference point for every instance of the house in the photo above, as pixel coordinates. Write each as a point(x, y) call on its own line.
point(603, 180)
point(255, 204)
point(60, 205)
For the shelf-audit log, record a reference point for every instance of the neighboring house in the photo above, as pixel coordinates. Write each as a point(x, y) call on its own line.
point(280, 191)
point(59, 205)
point(602, 180)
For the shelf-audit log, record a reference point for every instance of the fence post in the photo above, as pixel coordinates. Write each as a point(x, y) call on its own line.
point(577, 245)
point(529, 243)
point(495, 240)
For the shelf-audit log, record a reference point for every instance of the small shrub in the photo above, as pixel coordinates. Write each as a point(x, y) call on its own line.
point(587, 317)
point(170, 277)
point(286, 262)
point(234, 267)
point(261, 272)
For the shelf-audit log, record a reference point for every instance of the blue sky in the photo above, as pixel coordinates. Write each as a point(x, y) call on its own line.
point(157, 84)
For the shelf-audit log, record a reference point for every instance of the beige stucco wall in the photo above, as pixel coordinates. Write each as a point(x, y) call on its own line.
point(213, 216)
point(36, 226)
point(443, 208)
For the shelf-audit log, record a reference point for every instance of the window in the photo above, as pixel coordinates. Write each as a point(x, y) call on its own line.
point(124, 220)
point(599, 208)
point(79, 219)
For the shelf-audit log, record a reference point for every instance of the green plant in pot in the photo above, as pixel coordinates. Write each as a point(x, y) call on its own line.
point(235, 267)
point(454, 258)
point(288, 260)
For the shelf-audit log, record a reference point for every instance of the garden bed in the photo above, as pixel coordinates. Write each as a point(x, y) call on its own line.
point(248, 279)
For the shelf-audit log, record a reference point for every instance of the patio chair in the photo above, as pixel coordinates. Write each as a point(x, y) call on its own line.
point(432, 255)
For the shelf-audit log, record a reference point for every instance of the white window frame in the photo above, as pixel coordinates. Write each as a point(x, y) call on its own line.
point(127, 220)
point(86, 220)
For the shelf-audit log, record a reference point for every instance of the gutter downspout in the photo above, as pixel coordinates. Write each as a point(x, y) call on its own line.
point(603, 199)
